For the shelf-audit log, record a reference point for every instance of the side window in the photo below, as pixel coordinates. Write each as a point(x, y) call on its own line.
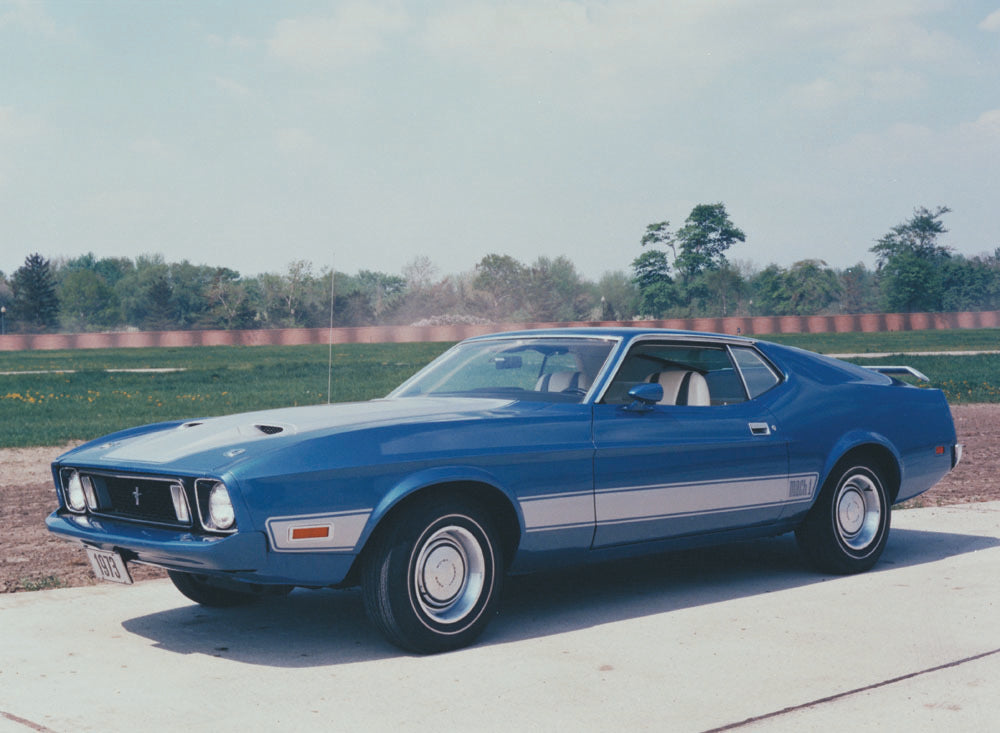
point(690, 374)
point(757, 374)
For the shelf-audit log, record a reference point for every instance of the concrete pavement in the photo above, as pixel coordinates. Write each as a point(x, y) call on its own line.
point(742, 637)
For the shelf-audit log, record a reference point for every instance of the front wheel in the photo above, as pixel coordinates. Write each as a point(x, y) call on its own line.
point(846, 530)
point(432, 580)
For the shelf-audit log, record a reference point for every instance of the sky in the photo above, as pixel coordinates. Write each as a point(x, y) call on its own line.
point(363, 135)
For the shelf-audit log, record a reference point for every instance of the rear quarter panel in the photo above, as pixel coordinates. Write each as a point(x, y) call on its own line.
point(827, 408)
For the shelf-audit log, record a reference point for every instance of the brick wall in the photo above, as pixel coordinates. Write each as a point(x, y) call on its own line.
point(759, 326)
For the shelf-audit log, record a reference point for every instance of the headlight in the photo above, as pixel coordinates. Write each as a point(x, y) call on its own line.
point(220, 507)
point(75, 498)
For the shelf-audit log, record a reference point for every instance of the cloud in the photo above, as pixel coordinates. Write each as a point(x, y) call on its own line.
point(602, 61)
point(236, 42)
point(613, 37)
point(15, 125)
point(967, 148)
point(355, 33)
point(150, 147)
point(883, 52)
point(296, 141)
point(25, 15)
point(991, 22)
point(847, 87)
point(231, 86)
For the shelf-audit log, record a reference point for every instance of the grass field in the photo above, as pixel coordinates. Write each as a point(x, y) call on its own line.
point(54, 408)
point(985, 339)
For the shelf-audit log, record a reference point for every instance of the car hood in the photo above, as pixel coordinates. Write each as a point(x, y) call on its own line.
point(218, 441)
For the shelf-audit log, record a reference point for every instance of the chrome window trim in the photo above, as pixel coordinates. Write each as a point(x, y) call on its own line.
point(678, 339)
point(777, 373)
point(736, 366)
point(723, 342)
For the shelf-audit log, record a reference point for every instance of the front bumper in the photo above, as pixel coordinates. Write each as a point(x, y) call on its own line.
point(243, 556)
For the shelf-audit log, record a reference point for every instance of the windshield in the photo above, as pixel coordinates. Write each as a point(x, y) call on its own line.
point(547, 369)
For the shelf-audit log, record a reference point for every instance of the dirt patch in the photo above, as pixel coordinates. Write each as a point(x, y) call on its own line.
point(31, 558)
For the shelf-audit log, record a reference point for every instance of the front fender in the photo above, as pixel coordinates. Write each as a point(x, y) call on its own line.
point(436, 476)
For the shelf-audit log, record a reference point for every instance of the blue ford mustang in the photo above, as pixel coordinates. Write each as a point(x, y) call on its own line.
point(507, 454)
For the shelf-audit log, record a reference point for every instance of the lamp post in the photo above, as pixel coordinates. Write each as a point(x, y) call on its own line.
point(3, 320)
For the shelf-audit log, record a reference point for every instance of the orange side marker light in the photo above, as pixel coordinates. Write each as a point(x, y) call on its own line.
point(311, 533)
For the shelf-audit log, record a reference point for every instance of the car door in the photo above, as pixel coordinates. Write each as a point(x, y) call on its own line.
point(667, 470)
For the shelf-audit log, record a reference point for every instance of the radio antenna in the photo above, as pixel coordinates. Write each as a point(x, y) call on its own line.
point(329, 373)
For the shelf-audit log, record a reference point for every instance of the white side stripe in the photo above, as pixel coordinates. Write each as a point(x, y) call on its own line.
point(558, 511)
point(628, 504)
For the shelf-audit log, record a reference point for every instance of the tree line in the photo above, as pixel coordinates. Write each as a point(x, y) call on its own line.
point(677, 273)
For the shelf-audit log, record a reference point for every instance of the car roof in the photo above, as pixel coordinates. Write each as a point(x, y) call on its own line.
point(627, 333)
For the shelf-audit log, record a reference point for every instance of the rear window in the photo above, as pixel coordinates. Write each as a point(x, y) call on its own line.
point(757, 374)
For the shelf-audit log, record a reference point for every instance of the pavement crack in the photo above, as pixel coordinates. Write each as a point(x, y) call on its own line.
point(26, 723)
point(856, 691)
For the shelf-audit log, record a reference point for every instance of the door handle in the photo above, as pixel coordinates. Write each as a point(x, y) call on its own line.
point(760, 428)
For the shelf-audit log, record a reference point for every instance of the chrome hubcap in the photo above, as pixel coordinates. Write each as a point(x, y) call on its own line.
point(449, 574)
point(859, 512)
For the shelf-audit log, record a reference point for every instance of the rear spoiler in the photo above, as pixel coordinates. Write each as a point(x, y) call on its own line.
point(891, 370)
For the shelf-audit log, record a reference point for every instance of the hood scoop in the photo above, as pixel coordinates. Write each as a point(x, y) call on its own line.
point(270, 429)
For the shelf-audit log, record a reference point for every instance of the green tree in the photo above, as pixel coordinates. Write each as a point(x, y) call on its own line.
point(808, 287)
point(859, 290)
point(86, 301)
point(658, 236)
point(918, 236)
point(384, 292)
point(502, 279)
point(619, 297)
point(35, 305)
point(813, 287)
point(191, 292)
point(146, 294)
point(707, 234)
point(726, 288)
point(6, 295)
point(970, 284)
point(911, 262)
point(556, 292)
point(911, 283)
point(231, 305)
point(651, 277)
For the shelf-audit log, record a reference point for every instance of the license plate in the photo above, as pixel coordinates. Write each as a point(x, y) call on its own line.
point(109, 566)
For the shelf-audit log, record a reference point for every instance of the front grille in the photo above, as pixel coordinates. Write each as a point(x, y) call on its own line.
point(138, 498)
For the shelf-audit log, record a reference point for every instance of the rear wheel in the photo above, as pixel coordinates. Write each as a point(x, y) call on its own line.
point(432, 579)
point(846, 530)
point(207, 591)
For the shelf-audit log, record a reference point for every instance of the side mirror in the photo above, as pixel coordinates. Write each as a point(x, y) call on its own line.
point(645, 395)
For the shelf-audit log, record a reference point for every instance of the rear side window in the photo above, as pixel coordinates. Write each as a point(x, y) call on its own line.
point(757, 374)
